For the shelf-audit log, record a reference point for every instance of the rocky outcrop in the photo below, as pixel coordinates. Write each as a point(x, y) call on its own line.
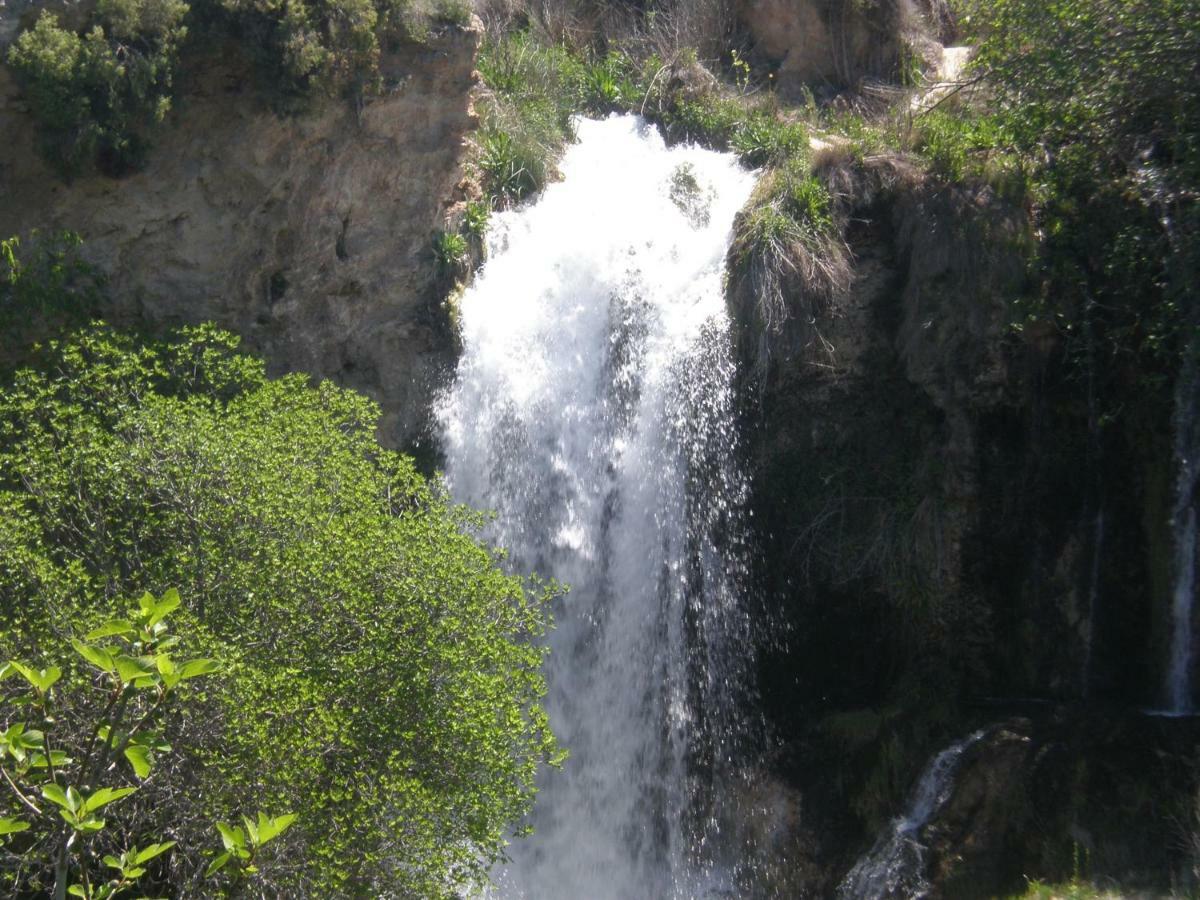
point(831, 45)
point(1107, 798)
point(310, 236)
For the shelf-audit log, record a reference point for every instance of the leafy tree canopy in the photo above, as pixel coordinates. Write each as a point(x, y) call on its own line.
point(382, 680)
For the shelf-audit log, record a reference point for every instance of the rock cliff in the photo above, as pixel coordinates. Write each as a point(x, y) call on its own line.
point(310, 236)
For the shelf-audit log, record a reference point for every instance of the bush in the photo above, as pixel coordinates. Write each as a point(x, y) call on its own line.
point(97, 97)
point(69, 741)
point(45, 279)
point(390, 691)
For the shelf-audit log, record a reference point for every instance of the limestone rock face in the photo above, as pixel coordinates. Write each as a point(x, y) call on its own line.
point(309, 236)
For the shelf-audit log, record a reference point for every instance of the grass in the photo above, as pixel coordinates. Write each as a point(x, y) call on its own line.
point(1075, 889)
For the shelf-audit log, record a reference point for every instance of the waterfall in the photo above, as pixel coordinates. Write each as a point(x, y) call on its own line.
point(592, 410)
point(1183, 526)
point(895, 867)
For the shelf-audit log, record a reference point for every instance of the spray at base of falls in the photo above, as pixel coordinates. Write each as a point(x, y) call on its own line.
point(593, 411)
point(895, 867)
point(1183, 526)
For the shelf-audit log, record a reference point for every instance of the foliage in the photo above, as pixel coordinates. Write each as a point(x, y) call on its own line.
point(450, 248)
point(527, 118)
point(97, 97)
point(66, 747)
point(383, 679)
point(764, 138)
point(1101, 97)
point(45, 278)
point(475, 218)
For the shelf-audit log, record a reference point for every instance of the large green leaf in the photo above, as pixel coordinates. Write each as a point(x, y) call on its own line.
point(105, 796)
point(97, 656)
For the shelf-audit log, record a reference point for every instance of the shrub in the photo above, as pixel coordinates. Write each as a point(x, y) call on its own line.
point(96, 98)
point(475, 218)
point(79, 745)
point(389, 690)
point(510, 166)
point(763, 138)
point(450, 248)
point(45, 279)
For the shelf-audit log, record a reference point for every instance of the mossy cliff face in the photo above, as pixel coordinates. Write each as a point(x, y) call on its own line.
point(943, 530)
point(310, 236)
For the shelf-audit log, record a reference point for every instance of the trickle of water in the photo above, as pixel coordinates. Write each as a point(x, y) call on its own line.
point(593, 411)
point(895, 867)
point(1183, 526)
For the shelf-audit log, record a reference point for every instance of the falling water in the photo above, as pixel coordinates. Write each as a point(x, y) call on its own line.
point(1183, 526)
point(592, 410)
point(895, 867)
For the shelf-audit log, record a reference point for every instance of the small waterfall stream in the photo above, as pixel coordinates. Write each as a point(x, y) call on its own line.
point(895, 867)
point(593, 411)
point(1183, 525)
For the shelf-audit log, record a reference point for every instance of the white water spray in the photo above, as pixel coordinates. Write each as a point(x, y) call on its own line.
point(593, 411)
point(895, 867)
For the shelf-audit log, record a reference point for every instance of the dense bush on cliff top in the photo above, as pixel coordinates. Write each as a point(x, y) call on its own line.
point(98, 94)
point(381, 680)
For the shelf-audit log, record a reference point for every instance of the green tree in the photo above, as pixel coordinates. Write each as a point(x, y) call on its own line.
point(62, 750)
point(390, 692)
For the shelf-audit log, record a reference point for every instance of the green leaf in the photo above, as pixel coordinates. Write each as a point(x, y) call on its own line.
point(139, 757)
point(131, 669)
point(217, 864)
point(252, 830)
point(268, 829)
point(74, 800)
point(197, 667)
point(231, 836)
point(55, 794)
point(113, 863)
point(110, 628)
point(58, 759)
point(41, 680)
point(76, 890)
point(148, 853)
point(168, 603)
point(97, 656)
point(105, 796)
point(12, 826)
point(164, 664)
point(91, 824)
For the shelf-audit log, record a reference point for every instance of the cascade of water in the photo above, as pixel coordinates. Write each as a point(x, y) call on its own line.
point(593, 411)
point(1183, 525)
point(895, 867)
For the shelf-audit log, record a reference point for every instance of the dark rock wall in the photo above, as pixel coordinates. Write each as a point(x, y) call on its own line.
point(945, 530)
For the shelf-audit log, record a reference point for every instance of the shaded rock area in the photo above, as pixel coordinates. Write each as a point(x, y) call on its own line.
point(310, 236)
point(1107, 796)
point(941, 523)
